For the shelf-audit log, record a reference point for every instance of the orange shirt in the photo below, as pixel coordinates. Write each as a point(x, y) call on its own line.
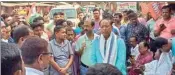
point(170, 25)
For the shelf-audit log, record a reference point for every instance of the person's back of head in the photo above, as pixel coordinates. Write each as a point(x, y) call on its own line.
point(159, 42)
point(35, 53)
point(38, 19)
point(163, 44)
point(103, 69)
point(60, 22)
point(20, 33)
point(11, 61)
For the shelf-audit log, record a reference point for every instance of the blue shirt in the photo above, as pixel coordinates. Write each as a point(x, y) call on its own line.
point(122, 31)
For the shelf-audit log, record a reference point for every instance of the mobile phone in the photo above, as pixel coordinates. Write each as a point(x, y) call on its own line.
point(162, 25)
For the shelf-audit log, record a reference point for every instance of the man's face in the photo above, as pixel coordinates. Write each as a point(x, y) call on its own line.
point(106, 28)
point(87, 26)
point(166, 13)
point(44, 57)
point(125, 16)
point(57, 17)
point(142, 49)
point(16, 18)
point(167, 47)
point(133, 41)
point(65, 24)
point(116, 18)
point(3, 31)
point(96, 14)
point(70, 35)
point(133, 20)
point(46, 18)
point(38, 31)
point(9, 20)
point(62, 16)
point(61, 34)
point(81, 16)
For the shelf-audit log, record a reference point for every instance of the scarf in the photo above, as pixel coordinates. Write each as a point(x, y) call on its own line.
point(110, 54)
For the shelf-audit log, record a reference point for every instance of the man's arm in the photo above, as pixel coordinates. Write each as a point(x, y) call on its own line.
point(79, 50)
point(70, 62)
point(55, 65)
point(71, 58)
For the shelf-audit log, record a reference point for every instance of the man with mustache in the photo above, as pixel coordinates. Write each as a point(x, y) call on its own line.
point(84, 45)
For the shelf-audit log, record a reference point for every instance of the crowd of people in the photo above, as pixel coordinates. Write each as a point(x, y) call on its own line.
point(120, 43)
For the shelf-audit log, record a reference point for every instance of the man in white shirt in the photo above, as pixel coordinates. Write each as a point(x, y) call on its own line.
point(36, 55)
point(134, 47)
point(162, 64)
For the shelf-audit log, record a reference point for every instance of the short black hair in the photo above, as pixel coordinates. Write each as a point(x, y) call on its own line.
point(35, 25)
point(96, 10)
point(58, 28)
point(20, 31)
point(159, 42)
point(130, 11)
point(134, 37)
point(125, 11)
point(107, 16)
point(70, 29)
point(32, 48)
point(38, 18)
point(118, 14)
point(131, 15)
point(60, 22)
point(146, 44)
point(167, 6)
point(103, 69)
point(80, 13)
point(58, 13)
point(11, 60)
point(4, 16)
point(61, 13)
point(69, 23)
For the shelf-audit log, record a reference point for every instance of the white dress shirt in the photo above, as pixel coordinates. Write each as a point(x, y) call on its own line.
point(32, 71)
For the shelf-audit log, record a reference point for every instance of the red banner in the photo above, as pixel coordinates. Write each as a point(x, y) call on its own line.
point(144, 8)
point(155, 9)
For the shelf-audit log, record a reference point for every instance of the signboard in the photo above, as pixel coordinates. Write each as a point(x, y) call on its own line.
point(127, 5)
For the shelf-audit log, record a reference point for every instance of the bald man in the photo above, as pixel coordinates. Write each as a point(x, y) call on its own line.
point(84, 45)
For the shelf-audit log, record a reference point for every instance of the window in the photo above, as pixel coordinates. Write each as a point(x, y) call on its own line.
point(68, 13)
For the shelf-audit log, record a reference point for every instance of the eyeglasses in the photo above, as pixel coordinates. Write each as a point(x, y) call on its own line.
point(47, 53)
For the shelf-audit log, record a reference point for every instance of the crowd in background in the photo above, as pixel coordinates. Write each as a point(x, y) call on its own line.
point(121, 43)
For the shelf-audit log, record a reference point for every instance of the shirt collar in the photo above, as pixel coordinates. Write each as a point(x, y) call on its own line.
point(32, 70)
point(86, 38)
point(65, 43)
